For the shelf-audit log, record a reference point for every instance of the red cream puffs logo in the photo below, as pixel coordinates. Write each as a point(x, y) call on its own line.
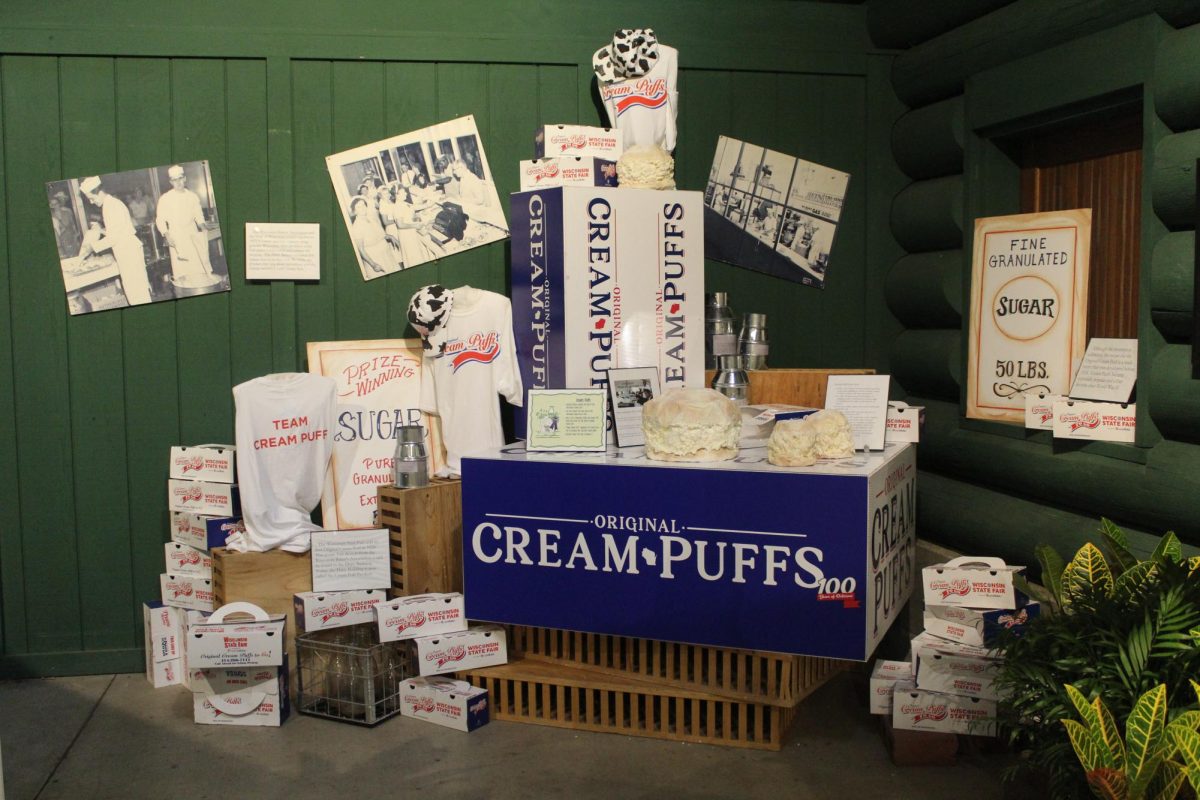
point(420, 705)
point(542, 172)
point(481, 348)
point(447, 656)
point(413, 620)
point(191, 464)
point(332, 611)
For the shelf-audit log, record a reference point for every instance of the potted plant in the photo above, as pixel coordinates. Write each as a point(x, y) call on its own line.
point(1153, 760)
point(1116, 627)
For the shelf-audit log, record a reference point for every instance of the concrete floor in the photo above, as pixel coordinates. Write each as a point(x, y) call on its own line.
point(115, 737)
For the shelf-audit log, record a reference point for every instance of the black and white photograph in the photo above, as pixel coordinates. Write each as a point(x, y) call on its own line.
point(417, 197)
point(629, 390)
point(139, 236)
point(772, 212)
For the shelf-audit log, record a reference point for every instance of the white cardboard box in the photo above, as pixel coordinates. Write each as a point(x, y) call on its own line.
point(1083, 419)
point(163, 630)
point(976, 626)
point(261, 704)
point(577, 140)
point(479, 646)
point(203, 532)
point(420, 615)
point(883, 683)
point(972, 581)
point(1039, 411)
point(940, 665)
point(919, 710)
point(164, 673)
point(204, 497)
point(220, 642)
point(443, 701)
point(183, 591)
point(904, 422)
point(204, 462)
point(190, 618)
point(546, 173)
point(926, 644)
point(959, 674)
point(183, 560)
point(606, 278)
point(316, 611)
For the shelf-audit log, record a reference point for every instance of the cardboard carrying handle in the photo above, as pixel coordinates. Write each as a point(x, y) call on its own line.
point(240, 607)
point(991, 562)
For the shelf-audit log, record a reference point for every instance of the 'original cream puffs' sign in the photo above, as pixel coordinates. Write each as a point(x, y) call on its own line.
point(1028, 329)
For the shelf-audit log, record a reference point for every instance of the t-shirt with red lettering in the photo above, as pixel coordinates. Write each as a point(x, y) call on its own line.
point(283, 426)
point(476, 362)
point(644, 108)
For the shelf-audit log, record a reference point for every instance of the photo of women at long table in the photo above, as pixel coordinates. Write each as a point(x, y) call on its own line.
point(136, 237)
point(417, 197)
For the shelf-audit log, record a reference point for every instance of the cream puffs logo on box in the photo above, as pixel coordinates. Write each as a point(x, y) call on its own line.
point(413, 620)
point(539, 172)
point(447, 656)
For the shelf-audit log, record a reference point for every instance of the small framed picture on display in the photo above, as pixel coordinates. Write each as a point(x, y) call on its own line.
point(629, 390)
point(566, 420)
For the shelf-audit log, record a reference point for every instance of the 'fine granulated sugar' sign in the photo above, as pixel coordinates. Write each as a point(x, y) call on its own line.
point(1029, 281)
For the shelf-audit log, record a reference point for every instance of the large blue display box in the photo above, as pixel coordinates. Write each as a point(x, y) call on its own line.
point(815, 560)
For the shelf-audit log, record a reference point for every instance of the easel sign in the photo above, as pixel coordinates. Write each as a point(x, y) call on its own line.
point(1028, 328)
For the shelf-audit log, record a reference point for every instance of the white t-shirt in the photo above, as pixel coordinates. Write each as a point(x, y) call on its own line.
point(283, 427)
point(644, 108)
point(477, 362)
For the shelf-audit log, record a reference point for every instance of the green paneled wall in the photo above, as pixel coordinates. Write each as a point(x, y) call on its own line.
point(265, 91)
point(997, 488)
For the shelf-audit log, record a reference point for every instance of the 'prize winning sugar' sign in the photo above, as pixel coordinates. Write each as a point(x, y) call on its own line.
point(1028, 309)
point(378, 391)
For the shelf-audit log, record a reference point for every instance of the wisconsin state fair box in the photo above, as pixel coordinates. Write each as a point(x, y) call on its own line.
point(604, 278)
point(817, 560)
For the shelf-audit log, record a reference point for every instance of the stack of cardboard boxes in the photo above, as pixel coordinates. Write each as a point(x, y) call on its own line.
point(572, 155)
point(949, 685)
point(442, 641)
point(202, 497)
point(238, 669)
point(205, 510)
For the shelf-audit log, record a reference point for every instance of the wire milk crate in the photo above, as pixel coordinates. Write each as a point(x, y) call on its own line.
point(347, 674)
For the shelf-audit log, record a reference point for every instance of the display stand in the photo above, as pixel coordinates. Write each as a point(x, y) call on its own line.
point(268, 580)
point(425, 529)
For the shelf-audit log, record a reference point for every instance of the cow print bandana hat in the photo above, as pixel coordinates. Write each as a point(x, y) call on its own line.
point(631, 54)
point(428, 312)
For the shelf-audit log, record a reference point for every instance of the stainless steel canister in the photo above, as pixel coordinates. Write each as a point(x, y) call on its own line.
point(731, 380)
point(719, 336)
point(752, 341)
point(412, 470)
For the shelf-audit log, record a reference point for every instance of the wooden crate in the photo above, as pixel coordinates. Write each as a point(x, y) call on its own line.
point(266, 579)
point(561, 696)
point(425, 528)
point(797, 387)
point(759, 677)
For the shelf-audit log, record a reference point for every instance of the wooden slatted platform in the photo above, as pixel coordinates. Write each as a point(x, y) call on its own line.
point(562, 696)
point(759, 677)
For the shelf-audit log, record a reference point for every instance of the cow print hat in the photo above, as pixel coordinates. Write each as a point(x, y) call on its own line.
point(427, 312)
point(631, 54)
